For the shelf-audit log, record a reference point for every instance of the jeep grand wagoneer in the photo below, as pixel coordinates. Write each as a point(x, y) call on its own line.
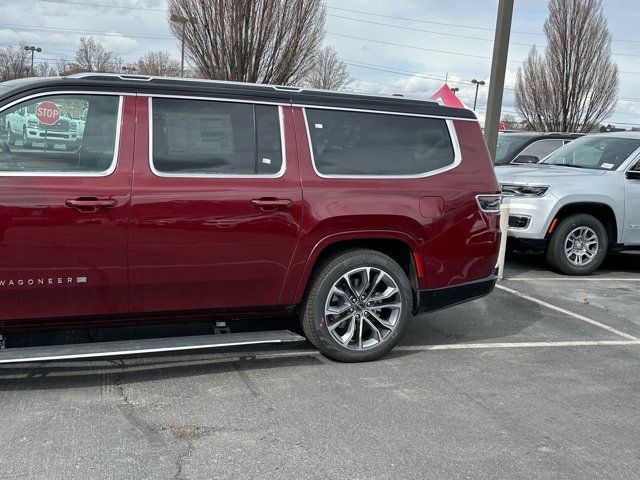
point(191, 199)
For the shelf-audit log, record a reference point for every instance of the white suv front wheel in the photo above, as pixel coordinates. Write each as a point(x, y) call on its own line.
point(579, 245)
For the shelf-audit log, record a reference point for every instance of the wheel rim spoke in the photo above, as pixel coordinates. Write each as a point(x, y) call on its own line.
point(386, 294)
point(346, 338)
point(363, 308)
point(581, 245)
point(339, 322)
point(375, 330)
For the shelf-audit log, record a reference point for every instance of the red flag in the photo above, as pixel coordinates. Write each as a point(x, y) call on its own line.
point(447, 97)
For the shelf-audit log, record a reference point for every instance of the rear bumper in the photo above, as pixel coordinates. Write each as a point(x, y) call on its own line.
point(439, 298)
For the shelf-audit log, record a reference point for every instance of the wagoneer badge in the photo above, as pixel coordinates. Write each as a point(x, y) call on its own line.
point(49, 281)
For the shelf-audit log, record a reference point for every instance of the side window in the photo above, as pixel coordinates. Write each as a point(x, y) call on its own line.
point(202, 137)
point(73, 134)
point(540, 149)
point(373, 144)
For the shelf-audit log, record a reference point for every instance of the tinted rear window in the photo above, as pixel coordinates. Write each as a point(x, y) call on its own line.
point(372, 144)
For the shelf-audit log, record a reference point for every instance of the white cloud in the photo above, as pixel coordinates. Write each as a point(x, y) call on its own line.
point(432, 39)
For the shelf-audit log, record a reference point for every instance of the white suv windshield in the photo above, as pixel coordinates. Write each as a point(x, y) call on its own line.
point(595, 152)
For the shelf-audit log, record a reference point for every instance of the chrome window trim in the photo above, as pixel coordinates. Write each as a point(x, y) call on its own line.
point(457, 156)
point(160, 174)
point(383, 112)
point(214, 99)
point(114, 161)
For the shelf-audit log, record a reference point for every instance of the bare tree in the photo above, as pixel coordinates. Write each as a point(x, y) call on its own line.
point(43, 69)
point(159, 64)
point(265, 41)
point(510, 122)
point(91, 56)
point(67, 68)
point(328, 71)
point(574, 85)
point(14, 63)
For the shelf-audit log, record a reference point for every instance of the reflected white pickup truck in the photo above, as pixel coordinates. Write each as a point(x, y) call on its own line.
point(24, 126)
point(579, 203)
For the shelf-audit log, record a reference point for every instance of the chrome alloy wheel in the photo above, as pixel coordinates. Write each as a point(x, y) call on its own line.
point(581, 246)
point(363, 308)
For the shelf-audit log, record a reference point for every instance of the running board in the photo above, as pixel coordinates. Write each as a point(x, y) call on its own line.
point(138, 347)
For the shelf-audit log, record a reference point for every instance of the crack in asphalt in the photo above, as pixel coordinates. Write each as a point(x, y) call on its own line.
point(181, 460)
point(182, 434)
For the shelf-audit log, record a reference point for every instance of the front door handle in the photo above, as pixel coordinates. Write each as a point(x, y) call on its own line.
point(91, 204)
point(271, 203)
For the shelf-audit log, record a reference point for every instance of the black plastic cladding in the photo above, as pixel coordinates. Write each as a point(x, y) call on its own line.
point(240, 91)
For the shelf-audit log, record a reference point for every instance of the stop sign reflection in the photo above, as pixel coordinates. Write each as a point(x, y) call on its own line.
point(47, 113)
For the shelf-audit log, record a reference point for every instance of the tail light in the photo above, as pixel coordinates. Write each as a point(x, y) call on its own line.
point(489, 203)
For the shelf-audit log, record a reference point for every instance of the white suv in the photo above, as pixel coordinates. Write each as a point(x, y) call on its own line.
point(579, 203)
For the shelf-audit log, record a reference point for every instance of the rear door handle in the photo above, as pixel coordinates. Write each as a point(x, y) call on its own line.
point(91, 204)
point(270, 203)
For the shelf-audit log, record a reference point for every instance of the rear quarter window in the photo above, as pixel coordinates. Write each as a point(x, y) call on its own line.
point(346, 143)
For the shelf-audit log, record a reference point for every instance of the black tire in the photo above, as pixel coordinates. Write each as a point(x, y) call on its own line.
point(313, 307)
point(11, 140)
point(556, 255)
point(25, 143)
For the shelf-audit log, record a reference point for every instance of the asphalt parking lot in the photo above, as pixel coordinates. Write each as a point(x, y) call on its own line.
point(539, 380)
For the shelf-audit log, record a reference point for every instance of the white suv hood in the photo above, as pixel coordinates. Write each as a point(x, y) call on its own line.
point(543, 174)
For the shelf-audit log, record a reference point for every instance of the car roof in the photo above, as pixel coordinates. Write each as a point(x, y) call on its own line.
point(631, 135)
point(238, 90)
point(529, 134)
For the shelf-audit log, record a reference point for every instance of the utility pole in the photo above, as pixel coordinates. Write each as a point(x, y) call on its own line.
point(498, 68)
point(183, 22)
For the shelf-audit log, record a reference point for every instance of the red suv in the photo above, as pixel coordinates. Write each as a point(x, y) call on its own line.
point(201, 199)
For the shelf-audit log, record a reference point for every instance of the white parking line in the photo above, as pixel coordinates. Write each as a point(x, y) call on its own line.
point(466, 346)
point(561, 279)
point(568, 312)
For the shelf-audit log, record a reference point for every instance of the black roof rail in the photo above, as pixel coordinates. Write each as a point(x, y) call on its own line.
point(203, 81)
point(278, 94)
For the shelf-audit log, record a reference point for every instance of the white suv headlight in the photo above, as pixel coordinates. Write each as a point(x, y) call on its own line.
point(512, 190)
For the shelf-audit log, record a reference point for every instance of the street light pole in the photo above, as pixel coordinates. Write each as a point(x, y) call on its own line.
point(455, 89)
point(183, 22)
point(33, 50)
point(477, 84)
point(498, 69)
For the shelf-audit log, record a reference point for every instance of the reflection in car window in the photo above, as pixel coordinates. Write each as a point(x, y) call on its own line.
point(215, 138)
point(595, 152)
point(540, 148)
point(356, 143)
point(48, 135)
point(508, 145)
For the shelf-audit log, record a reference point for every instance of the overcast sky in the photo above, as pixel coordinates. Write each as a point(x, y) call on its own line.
point(437, 38)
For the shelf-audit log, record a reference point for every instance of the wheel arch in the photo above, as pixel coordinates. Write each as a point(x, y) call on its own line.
point(401, 247)
point(600, 210)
